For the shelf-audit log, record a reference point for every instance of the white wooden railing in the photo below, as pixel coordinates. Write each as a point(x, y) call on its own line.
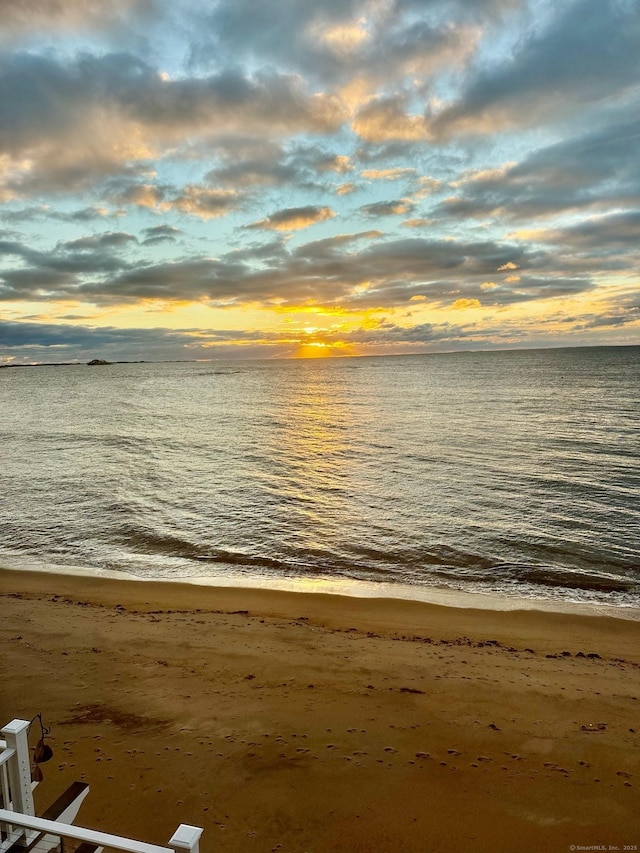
point(5, 790)
point(15, 779)
point(20, 826)
point(184, 838)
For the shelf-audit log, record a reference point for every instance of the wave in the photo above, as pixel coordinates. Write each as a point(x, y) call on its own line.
point(440, 565)
point(548, 576)
point(147, 542)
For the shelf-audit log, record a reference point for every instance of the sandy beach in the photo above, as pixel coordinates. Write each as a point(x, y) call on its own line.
point(307, 722)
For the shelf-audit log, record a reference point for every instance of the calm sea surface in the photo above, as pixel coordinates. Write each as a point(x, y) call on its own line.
point(515, 473)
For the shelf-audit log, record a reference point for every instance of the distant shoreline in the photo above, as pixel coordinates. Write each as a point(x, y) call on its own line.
point(75, 363)
point(324, 359)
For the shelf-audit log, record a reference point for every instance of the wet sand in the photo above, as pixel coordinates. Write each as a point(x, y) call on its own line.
point(307, 722)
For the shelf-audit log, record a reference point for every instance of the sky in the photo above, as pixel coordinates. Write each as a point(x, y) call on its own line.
point(213, 179)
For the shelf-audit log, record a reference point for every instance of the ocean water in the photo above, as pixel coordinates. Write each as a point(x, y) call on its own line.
point(510, 473)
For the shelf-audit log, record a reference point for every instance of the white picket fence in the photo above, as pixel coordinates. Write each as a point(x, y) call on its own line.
point(20, 829)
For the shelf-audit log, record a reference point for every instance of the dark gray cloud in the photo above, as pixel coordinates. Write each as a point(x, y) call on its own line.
point(330, 247)
point(477, 10)
point(48, 342)
point(85, 214)
point(62, 271)
point(160, 234)
point(331, 41)
point(330, 271)
point(56, 111)
point(20, 18)
point(249, 173)
point(34, 213)
point(269, 31)
point(49, 335)
point(397, 207)
point(60, 342)
point(588, 51)
point(111, 240)
point(606, 234)
point(606, 321)
point(595, 169)
point(247, 162)
point(162, 231)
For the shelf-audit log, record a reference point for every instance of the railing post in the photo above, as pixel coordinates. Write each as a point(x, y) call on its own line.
point(186, 838)
point(15, 734)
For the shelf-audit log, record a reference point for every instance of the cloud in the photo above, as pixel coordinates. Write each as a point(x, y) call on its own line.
point(385, 119)
point(330, 41)
point(388, 174)
point(84, 214)
point(607, 321)
point(387, 334)
point(327, 272)
point(466, 303)
point(425, 185)
point(594, 169)
point(614, 230)
point(346, 189)
point(191, 200)
point(160, 234)
point(250, 162)
point(479, 10)
point(587, 52)
point(417, 222)
point(142, 195)
point(340, 163)
point(25, 342)
point(329, 247)
point(205, 203)
point(294, 218)
point(68, 123)
point(255, 172)
point(108, 240)
point(42, 275)
point(18, 18)
point(398, 207)
point(56, 342)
